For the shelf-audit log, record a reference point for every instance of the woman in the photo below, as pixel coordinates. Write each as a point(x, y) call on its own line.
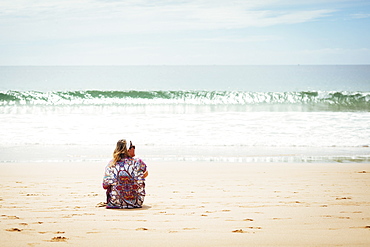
point(124, 178)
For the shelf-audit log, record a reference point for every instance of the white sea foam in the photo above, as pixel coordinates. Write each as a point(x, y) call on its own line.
point(201, 125)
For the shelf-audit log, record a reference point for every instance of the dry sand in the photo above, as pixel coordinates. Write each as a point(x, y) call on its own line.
point(189, 204)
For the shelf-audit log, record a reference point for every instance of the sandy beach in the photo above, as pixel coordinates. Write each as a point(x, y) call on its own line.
point(189, 204)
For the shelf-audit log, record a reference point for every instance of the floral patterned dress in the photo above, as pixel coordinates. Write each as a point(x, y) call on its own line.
point(125, 183)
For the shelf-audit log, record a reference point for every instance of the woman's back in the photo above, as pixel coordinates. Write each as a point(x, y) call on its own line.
point(125, 183)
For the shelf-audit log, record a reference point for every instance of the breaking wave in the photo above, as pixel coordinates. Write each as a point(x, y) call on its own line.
point(319, 100)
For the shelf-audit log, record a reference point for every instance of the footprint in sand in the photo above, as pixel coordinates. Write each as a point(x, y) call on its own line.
point(239, 231)
point(101, 204)
point(58, 239)
point(31, 194)
point(12, 217)
point(326, 216)
point(92, 194)
point(14, 230)
point(359, 227)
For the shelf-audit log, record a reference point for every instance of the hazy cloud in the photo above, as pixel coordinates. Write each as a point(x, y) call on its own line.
point(361, 16)
point(133, 16)
point(166, 31)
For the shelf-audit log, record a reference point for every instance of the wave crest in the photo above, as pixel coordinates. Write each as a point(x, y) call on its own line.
point(346, 100)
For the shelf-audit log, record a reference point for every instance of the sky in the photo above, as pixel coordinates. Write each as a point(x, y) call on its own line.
point(193, 32)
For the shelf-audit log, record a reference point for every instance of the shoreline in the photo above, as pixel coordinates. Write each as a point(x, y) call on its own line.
point(77, 153)
point(189, 204)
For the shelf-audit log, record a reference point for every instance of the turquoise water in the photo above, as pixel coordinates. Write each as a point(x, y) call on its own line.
point(290, 78)
point(196, 113)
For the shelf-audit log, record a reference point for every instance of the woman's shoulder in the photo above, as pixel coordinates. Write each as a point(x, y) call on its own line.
point(139, 162)
point(122, 161)
point(126, 161)
point(110, 163)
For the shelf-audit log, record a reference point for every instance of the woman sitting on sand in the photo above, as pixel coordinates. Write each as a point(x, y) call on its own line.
point(124, 178)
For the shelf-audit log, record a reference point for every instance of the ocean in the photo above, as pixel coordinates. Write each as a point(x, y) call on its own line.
point(186, 113)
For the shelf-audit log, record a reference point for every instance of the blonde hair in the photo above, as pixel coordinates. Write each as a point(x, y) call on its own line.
point(120, 152)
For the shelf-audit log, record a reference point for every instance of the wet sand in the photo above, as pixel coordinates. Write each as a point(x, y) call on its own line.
point(189, 204)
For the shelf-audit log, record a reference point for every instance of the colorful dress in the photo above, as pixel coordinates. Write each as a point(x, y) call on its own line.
point(125, 183)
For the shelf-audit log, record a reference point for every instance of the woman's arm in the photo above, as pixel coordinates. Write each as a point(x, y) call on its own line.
point(142, 168)
point(145, 174)
point(108, 179)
